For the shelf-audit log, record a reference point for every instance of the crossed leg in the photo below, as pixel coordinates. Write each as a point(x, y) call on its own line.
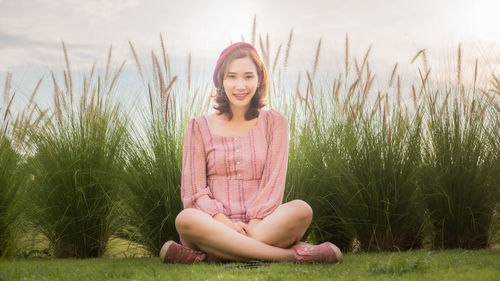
point(270, 240)
point(285, 226)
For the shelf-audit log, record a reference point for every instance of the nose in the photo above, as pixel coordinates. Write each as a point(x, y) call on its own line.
point(240, 84)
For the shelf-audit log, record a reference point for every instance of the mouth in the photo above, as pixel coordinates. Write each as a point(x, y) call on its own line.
point(240, 96)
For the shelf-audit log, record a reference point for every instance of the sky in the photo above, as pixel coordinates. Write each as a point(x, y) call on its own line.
point(31, 31)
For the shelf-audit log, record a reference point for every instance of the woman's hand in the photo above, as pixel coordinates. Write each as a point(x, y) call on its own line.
point(250, 226)
point(241, 227)
point(237, 226)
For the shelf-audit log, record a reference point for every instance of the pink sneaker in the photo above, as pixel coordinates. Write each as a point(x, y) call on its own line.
point(322, 253)
point(173, 252)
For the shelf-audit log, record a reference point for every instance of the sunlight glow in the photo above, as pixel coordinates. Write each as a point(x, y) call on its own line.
point(485, 20)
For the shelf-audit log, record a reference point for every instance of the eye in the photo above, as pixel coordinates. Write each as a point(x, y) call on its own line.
point(249, 76)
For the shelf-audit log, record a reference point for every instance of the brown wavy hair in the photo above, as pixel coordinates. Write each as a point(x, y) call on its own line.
point(259, 99)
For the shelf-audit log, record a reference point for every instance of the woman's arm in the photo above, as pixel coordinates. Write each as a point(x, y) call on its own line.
point(272, 185)
point(194, 190)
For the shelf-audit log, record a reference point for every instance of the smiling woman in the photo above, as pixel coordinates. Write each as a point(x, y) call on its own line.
point(233, 182)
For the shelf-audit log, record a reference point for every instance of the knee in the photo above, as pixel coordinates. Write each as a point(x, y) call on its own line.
point(302, 211)
point(186, 220)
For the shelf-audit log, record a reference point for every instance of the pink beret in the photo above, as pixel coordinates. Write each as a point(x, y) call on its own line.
point(229, 50)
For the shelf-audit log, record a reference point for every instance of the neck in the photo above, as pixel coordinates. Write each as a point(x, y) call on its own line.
point(239, 113)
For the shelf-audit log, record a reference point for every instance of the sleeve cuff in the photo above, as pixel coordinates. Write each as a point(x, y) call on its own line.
point(209, 206)
point(254, 215)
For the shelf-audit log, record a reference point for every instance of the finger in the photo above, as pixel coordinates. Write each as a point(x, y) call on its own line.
point(242, 224)
point(237, 227)
point(243, 228)
point(248, 231)
point(246, 227)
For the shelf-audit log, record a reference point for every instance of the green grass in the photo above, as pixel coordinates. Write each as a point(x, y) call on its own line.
point(412, 265)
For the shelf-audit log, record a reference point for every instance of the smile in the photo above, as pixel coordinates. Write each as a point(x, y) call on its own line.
point(240, 96)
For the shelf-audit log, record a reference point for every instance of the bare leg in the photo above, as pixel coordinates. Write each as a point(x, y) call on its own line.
point(285, 226)
point(199, 230)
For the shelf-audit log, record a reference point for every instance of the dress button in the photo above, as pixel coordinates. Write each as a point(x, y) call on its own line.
point(235, 139)
point(237, 163)
point(237, 150)
point(239, 175)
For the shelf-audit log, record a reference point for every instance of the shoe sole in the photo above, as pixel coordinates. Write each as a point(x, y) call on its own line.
point(338, 253)
point(164, 249)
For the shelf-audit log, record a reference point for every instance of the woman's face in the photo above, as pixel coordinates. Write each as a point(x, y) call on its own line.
point(241, 82)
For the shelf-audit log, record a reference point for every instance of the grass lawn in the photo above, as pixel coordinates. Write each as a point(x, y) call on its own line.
point(413, 265)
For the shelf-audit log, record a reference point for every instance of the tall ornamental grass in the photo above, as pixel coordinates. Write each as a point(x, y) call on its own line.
point(153, 178)
point(365, 172)
point(361, 154)
point(9, 190)
point(460, 177)
point(306, 181)
point(306, 149)
point(9, 178)
point(493, 130)
point(153, 172)
point(375, 190)
point(12, 169)
point(76, 167)
point(366, 164)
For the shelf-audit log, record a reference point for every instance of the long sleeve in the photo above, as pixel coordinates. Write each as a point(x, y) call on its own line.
point(194, 190)
point(272, 185)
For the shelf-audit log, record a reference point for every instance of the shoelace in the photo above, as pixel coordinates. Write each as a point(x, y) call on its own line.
point(308, 250)
point(199, 255)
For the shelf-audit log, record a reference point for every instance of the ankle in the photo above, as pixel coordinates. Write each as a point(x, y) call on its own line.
point(291, 255)
point(212, 258)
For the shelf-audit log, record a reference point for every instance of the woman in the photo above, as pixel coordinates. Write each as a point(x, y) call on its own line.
point(233, 177)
